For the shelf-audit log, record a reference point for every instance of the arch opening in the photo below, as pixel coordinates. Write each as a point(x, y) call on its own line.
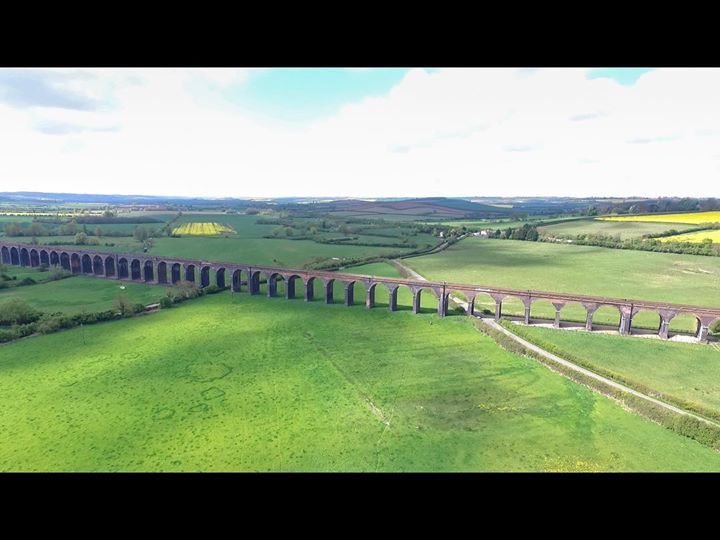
point(75, 264)
point(24, 257)
point(98, 268)
point(54, 258)
point(162, 272)
point(123, 269)
point(110, 266)
point(14, 256)
point(135, 273)
point(34, 258)
point(148, 272)
point(44, 258)
point(86, 264)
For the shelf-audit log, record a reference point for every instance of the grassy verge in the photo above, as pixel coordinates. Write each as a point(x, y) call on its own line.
point(687, 426)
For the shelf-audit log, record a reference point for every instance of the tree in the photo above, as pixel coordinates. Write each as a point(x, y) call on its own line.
point(13, 229)
point(36, 229)
point(123, 305)
point(81, 239)
point(98, 231)
point(140, 234)
point(69, 228)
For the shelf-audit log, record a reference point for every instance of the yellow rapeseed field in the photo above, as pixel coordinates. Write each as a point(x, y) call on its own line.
point(202, 229)
point(695, 237)
point(694, 218)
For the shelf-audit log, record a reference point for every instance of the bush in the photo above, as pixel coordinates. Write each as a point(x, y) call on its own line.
point(58, 273)
point(27, 281)
point(43, 268)
point(715, 327)
point(166, 302)
point(17, 312)
point(138, 308)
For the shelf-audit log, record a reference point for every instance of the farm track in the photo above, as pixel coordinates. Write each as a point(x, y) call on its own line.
point(554, 358)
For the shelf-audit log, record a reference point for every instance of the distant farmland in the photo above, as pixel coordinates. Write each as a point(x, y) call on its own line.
point(695, 237)
point(692, 218)
point(202, 229)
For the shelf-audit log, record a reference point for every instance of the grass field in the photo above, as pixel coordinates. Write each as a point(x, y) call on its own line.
point(690, 218)
point(684, 279)
point(80, 293)
point(625, 229)
point(695, 237)
point(687, 374)
point(203, 229)
point(236, 383)
point(247, 245)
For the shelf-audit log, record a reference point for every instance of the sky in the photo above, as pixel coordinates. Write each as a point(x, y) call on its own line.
point(355, 132)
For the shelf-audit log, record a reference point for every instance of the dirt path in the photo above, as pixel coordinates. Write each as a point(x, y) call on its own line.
point(587, 372)
point(567, 363)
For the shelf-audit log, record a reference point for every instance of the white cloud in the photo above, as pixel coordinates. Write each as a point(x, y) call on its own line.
point(451, 132)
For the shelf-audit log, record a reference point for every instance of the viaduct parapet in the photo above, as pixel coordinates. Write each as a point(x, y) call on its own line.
point(170, 270)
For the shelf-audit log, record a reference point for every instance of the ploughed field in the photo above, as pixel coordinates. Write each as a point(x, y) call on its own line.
point(239, 383)
point(684, 374)
point(597, 271)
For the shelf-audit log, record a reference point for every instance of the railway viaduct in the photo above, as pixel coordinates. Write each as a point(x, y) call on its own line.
point(169, 270)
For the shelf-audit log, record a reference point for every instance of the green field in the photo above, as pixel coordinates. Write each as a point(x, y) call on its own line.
point(80, 293)
point(684, 279)
point(236, 383)
point(624, 229)
point(247, 245)
point(686, 374)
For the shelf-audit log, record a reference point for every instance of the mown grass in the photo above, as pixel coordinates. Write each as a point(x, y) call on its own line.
point(625, 229)
point(693, 218)
point(236, 383)
point(684, 279)
point(81, 293)
point(681, 373)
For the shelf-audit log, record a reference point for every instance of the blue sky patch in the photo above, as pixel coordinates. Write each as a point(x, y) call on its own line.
point(302, 94)
point(624, 76)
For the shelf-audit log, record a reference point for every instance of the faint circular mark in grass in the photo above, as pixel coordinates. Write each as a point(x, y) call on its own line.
point(130, 355)
point(202, 407)
point(208, 371)
point(212, 393)
point(163, 414)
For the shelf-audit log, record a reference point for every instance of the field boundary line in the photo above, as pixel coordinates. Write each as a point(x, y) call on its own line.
point(588, 373)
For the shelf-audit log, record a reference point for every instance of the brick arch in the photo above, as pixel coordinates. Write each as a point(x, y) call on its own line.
point(75, 264)
point(24, 257)
point(34, 258)
point(135, 270)
point(123, 268)
point(86, 264)
point(98, 266)
point(162, 275)
point(220, 277)
point(5, 255)
point(110, 270)
point(291, 285)
point(44, 257)
point(54, 258)
point(148, 271)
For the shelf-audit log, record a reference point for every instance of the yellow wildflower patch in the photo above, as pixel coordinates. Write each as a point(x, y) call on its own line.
point(202, 229)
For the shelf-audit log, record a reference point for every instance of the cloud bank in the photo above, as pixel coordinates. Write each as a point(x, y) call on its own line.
point(449, 132)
